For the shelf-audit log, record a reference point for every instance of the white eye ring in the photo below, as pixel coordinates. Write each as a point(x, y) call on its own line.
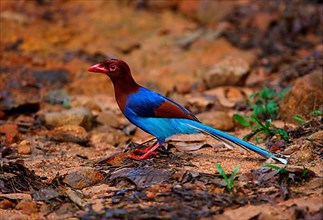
point(112, 67)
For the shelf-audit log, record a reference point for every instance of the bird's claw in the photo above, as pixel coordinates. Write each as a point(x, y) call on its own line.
point(137, 150)
point(140, 157)
point(136, 157)
point(148, 151)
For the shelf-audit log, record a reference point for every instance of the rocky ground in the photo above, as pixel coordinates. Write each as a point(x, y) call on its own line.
point(64, 143)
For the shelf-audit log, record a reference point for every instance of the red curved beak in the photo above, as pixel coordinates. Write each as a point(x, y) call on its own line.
point(98, 68)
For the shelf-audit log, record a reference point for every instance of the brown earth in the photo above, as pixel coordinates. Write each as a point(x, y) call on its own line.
point(64, 142)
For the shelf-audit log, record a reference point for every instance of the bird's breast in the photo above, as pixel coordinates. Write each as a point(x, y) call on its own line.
point(163, 128)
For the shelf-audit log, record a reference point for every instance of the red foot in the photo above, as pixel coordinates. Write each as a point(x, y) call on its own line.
point(136, 157)
point(137, 150)
point(147, 152)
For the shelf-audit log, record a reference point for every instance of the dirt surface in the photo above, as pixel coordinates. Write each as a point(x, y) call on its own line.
point(64, 144)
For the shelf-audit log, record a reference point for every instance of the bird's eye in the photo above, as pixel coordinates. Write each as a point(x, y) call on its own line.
point(112, 67)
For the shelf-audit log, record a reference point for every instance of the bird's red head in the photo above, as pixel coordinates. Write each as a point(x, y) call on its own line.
point(111, 67)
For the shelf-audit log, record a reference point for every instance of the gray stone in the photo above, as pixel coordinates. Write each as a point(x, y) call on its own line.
point(75, 116)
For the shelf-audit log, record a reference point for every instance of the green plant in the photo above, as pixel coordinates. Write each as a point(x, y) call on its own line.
point(279, 169)
point(317, 113)
point(265, 106)
point(229, 181)
point(242, 120)
point(258, 128)
point(265, 103)
point(283, 170)
point(305, 172)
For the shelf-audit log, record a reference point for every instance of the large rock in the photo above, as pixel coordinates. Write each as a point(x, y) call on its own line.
point(81, 116)
point(304, 154)
point(305, 96)
point(109, 118)
point(217, 119)
point(19, 99)
point(230, 71)
point(55, 76)
point(70, 133)
point(207, 12)
point(110, 136)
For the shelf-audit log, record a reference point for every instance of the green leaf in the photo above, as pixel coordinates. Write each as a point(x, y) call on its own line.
point(271, 107)
point(281, 170)
point(231, 180)
point(317, 113)
point(235, 170)
point(221, 171)
point(255, 119)
point(245, 138)
point(265, 93)
point(241, 120)
point(267, 123)
point(282, 133)
point(271, 166)
point(231, 184)
point(268, 93)
point(299, 119)
point(263, 127)
point(257, 140)
point(257, 110)
point(305, 171)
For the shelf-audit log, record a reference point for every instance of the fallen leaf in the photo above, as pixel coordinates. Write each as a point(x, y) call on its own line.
point(143, 176)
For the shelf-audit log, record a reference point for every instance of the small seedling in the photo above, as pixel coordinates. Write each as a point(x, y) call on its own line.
point(265, 103)
point(305, 173)
point(229, 181)
point(317, 113)
point(267, 128)
point(279, 169)
point(265, 106)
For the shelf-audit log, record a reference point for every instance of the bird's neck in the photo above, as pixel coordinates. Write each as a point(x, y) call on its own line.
point(123, 88)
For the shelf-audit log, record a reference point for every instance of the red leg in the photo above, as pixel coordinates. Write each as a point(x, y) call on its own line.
point(145, 150)
point(150, 151)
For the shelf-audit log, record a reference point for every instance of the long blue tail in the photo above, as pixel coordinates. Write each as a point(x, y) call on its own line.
point(228, 139)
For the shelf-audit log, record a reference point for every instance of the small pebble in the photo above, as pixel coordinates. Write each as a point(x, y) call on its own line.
point(24, 147)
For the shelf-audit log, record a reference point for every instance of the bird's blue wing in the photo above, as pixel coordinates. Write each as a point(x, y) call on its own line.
point(146, 103)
